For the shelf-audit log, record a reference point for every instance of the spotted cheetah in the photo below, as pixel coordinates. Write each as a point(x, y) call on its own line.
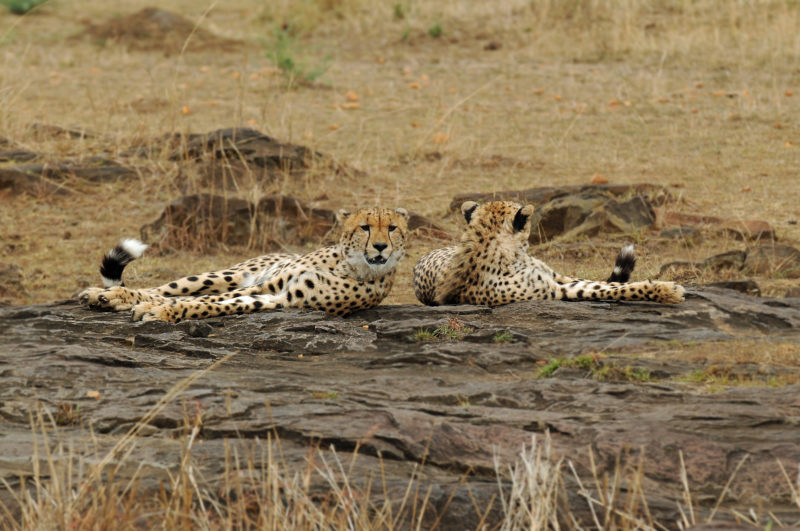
point(355, 274)
point(491, 266)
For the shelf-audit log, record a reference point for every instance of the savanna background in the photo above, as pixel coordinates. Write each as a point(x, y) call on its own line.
point(426, 99)
point(420, 101)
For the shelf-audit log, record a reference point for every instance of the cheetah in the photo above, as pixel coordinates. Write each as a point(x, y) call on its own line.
point(491, 266)
point(355, 274)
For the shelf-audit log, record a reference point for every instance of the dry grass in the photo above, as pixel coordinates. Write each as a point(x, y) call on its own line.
point(70, 488)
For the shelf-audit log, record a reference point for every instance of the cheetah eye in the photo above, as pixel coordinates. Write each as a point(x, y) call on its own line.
point(392, 228)
point(365, 227)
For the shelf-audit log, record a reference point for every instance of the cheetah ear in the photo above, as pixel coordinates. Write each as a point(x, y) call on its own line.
point(342, 215)
point(522, 217)
point(467, 208)
point(402, 211)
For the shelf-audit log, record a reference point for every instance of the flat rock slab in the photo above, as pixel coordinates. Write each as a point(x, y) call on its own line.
point(456, 407)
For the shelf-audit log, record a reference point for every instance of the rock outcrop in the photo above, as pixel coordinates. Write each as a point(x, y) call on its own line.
point(403, 399)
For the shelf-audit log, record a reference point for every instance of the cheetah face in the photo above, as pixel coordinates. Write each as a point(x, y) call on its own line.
point(373, 239)
point(501, 220)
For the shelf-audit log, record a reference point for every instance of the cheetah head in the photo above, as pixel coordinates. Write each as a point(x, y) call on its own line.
point(505, 222)
point(373, 239)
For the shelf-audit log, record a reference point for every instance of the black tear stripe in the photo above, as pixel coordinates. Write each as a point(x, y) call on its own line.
point(520, 220)
point(468, 213)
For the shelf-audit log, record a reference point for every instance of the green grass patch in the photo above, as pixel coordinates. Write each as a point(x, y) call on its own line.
point(436, 31)
point(285, 51)
point(597, 368)
point(504, 336)
point(20, 7)
point(453, 330)
point(325, 395)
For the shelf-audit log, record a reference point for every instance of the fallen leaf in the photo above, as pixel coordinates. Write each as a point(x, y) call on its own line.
point(415, 124)
point(788, 144)
point(351, 96)
point(350, 106)
point(789, 92)
point(538, 91)
point(381, 60)
point(333, 127)
point(718, 93)
point(93, 394)
point(777, 125)
point(186, 110)
point(252, 121)
point(746, 189)
point(235, 75)
point(413, 85)
point(598, 179)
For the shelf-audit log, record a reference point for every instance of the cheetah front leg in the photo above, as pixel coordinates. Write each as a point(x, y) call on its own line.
point(177, 310)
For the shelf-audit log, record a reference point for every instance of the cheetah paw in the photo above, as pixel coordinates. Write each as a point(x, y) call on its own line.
point(116, 298)
point(156, 311)
point(671, 293)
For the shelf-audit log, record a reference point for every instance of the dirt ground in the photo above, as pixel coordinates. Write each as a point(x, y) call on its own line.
point(428, 99)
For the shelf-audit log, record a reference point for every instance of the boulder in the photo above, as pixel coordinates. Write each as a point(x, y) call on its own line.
point(11, 283)
point(202, 221)
point(153, 29)
point(656, 194)
point(446, 417)
point(238, 158)
point(766, 260)
point(59, 177)
point(589, 214)
point(746, 230)
point(773, 260)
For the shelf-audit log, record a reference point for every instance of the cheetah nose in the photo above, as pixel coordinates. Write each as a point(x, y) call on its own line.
point(379, 246)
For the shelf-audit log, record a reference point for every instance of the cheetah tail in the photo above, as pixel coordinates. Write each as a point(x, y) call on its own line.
point(626, 261)
point(117, 258)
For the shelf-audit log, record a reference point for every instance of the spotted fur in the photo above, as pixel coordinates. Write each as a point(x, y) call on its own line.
point(355, 274)
point(491, 266)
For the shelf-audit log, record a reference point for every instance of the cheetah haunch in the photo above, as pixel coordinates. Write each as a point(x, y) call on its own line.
point(355, 274)
point(491, 266)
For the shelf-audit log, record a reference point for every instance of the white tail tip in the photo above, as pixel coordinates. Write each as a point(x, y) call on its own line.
point(133, 247)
